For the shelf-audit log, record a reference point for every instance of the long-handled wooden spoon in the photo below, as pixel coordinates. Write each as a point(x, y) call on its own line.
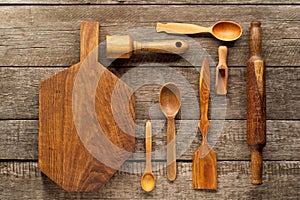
point(170, 102)
point(222, 30)
point(148, 180)
point(204, 167)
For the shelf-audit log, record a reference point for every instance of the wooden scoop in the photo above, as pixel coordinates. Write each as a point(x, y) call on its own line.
point(148, 180)
point(222, 30)
point(222, 71)
point(204, 167)
point(170, 102)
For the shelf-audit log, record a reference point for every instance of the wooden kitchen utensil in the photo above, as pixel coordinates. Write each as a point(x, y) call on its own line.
point(170, 102)
point(222, 71)
point(123, 46)
point(222, 30)
point(148, 180)
point(256, 103)
point(63, 153)
point(204, 166)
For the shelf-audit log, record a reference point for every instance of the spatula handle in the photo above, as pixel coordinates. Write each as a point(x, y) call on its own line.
point(171, 150)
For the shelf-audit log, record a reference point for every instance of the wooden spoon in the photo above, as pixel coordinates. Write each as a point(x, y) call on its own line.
point(148, 180)
point(222, 30)
point(170, 102)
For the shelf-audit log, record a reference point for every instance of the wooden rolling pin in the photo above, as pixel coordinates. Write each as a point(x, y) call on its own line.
point(256, 103)
point(123, 46)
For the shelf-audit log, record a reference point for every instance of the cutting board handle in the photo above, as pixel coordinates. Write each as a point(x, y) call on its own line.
point(89, 40)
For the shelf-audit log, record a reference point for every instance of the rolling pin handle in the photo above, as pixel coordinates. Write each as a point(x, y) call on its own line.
point(256, 167)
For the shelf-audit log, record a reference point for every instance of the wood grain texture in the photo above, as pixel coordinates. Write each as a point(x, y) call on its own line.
point(256, 102)
point(72, 152)
point(24, 42)
point(123, 46)
point(19, 139)
point(23, 180)
point(170, 103)
point(19, 91)
point(204, 164)
point(197, 2)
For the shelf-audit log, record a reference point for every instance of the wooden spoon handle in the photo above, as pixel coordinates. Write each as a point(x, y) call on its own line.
point(164, 46)
point(180, 28)
point(148, 146)
point(171, 150)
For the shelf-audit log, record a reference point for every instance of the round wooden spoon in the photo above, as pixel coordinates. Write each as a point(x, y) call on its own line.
point(222, 30)
point(148, 180)
point(170, 102)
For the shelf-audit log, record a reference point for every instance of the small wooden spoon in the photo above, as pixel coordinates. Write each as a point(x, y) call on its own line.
point(222, 30)
point(170, 102)
point(148, 180)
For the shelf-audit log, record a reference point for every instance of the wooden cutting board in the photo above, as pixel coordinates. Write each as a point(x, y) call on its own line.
point(72, 152)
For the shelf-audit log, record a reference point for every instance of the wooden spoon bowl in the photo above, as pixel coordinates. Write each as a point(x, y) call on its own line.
point(148, 181)
point(226, 30)
point(170, 99)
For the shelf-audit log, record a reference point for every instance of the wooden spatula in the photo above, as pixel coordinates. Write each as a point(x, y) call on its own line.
point(204, 169)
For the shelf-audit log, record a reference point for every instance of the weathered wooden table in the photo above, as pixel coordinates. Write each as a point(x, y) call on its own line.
point(39, 38)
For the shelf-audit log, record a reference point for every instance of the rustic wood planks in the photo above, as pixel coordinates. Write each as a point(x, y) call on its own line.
point(19, 139)
point(24, 42)
point(19, 96)
point(281, 180)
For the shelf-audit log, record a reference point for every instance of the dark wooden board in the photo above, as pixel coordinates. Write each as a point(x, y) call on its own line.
point(19, 139)
point(25, 42)
point(19, 91)
point(23, 180)
point(121, 2)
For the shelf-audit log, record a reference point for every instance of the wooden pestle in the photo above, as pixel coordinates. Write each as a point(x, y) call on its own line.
point(123, 46)
point(256, 103)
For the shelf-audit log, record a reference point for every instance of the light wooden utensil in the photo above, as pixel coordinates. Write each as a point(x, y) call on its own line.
point(256, 103)
point(148, 180)
point(124, 47)
point(222, 71)
point(170, 102)
point(222, 30)
point(204, 166)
